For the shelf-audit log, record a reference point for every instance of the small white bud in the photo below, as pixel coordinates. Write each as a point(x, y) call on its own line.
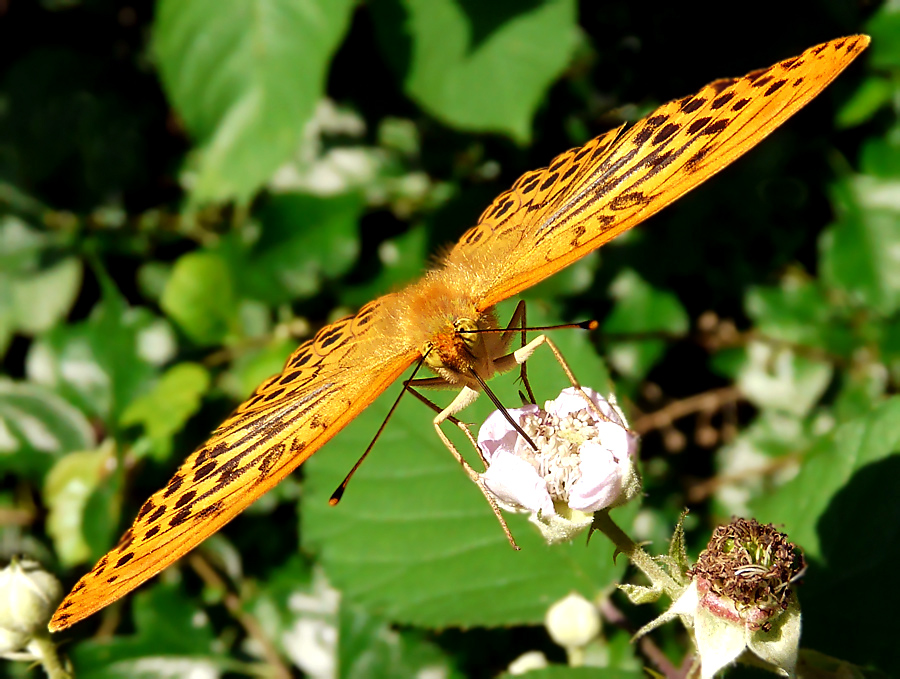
point(527, 662)
point(573, 621)
point(28, 597)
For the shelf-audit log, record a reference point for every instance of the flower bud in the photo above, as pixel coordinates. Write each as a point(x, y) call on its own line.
point(527, 662)
point(584, 461)
point(572, 621)
point(28, 597)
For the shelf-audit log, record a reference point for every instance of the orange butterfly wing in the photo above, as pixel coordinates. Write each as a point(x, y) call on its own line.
point(325, 383)
point(591, 194)
point(548, 219)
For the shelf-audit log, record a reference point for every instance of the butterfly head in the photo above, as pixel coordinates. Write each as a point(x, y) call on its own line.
point(461, 349)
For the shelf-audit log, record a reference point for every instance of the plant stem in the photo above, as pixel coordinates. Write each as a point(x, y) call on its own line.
point(643, 561)
point(46, 652)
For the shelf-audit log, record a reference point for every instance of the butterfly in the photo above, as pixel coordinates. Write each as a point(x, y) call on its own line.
point(547, 220)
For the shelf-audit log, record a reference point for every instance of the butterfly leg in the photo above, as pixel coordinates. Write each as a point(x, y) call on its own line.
point(463, 399)
point(518, 321)
point(572, 379)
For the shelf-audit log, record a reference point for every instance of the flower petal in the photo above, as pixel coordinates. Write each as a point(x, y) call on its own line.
point(497, 432)
point(515, 482)
point(570, 400)
point(719, 642)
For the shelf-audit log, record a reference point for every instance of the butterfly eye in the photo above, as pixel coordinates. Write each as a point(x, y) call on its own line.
point(467, 329)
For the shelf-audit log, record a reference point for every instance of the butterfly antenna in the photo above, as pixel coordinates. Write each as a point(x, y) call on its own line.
point(496, 401)
point(583, 325)
point(339, 491)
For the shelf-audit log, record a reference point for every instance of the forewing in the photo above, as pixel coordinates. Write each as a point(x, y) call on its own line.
point(589, 195)
point(325, 383)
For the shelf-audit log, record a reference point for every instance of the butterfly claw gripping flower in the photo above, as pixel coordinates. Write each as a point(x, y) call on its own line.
point(739, 600)
point(584, 462)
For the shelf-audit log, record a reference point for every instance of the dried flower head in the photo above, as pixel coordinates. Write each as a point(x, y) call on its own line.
point(751, 566)
point(739, 599)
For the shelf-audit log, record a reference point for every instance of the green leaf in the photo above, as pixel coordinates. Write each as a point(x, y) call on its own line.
point(173, 639)
point(245, 77)
point(858, 253)
point(34, 294)
point(37, 427)
point(67, 489)
point(249, 369)
point(564, 672)
point(827, 470)
point(401, 261)
point(304, 241)
point(199, 296)
point(415, 539)
point(101, 364)
point(479, 66)
point(874, 93)
point(842, 511)
point(799, 312)
point(44, 297)
point(763, 454)
point(641, 309)
point(884, 28)
point(165, 409)
point(370, 648)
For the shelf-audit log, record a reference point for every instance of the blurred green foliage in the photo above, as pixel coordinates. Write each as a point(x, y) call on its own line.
point(190, 188)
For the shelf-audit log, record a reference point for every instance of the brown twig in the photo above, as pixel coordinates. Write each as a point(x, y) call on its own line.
point(16, 517)
point(233, 603)
point(707, 402)
point(700, 491)
point(648, 647)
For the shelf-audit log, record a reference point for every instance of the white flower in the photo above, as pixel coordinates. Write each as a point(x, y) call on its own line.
point(584, 462)
point(28, 597)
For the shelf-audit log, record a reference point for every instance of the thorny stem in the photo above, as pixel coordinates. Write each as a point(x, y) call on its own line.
point(648, 647)
point(49, 657)
point(643, 561)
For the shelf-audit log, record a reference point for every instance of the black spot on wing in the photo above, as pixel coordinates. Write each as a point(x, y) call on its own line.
point(173, 486)
point(698, 125)
point(126, 540)
point(693, 104)
point(148, 506)
point(549, 181)
point(717, 126)
point(665, 133)
point(720, 86)
point(287, 378)
point(205, 471)
point(627, 200)
point(185, 499)
point(180, 517)
point(720, 101)
point(568, 173)
point(774, 87)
